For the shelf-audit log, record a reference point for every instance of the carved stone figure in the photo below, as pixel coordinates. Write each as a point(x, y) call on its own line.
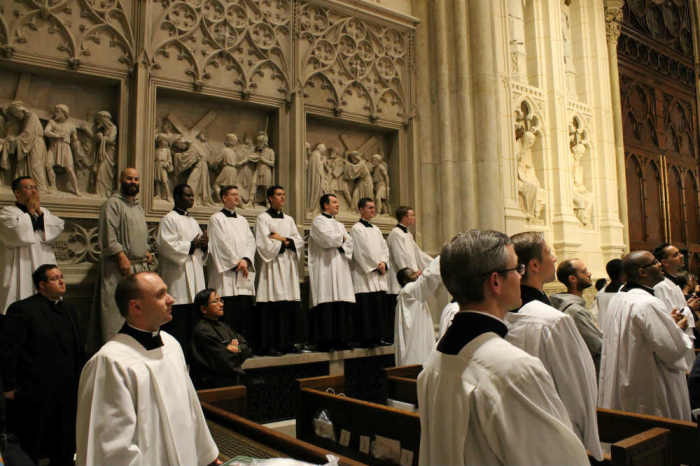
point(229, 160)
point(246, 169)
point(105, 153)
point(357, 172)
point(163, 165)
point(532, 196)
point(380, 177)
point(582, 198)
point(335, 166)
point(569, 65)
point(191, 160)
point(518, 52)
point(63, 139)
point(264, 157)
point(4, 148)
point(316, 176)
point(29, 145)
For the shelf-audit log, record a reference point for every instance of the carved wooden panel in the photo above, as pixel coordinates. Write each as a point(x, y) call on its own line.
point(691, 207)
point(666, 22)
point(635, 201)
point(639, 114)
point(675, 202)
point(653, 206)
point(679, 130)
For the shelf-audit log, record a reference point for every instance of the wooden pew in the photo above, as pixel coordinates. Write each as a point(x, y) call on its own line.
point(223, 408)
point(410, 372)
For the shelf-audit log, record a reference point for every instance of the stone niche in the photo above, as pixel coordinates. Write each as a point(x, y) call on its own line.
point(75, 144)
point(209, 143)
point(351, 161)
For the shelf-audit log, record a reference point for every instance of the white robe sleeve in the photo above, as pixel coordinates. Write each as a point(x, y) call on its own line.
point(326, 235)
point(348, 244)
point(428, 281)
point(402, 252)
point(53, 226)
point(268, 249)
point(666, 339)
point(16, 228)
point(296, 237)
point(222, 252)
point(171, 244)
point(361, 252)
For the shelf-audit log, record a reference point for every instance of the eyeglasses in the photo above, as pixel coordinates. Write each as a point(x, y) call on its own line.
point(656, 261)
point(520, 268)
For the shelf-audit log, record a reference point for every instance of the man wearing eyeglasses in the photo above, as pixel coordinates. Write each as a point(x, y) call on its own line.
point(552, 336)
point(27, 232)
point(43, 353)
point(642, 368)
point(481, 399)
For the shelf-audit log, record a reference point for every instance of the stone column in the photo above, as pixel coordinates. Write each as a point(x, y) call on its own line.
point(141, 100)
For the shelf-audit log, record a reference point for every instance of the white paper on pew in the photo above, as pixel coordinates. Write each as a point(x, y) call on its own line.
point(364, 444)
point(406, 457)
point(344, 437)
point(385, 448)
point(401, 405)
point(324, 429)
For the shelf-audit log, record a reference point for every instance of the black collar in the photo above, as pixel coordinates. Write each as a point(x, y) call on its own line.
point(275, 213)
point(631, 286)
point(229, 213)
point(528, 293)
point(465, 327)
point(181, 211)
point(613, 287)
point(366, 223)
point(673, 279)
point(147, 339)
point(404, 228)
point(326, 215)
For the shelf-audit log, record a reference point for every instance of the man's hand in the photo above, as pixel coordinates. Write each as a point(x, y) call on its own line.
point(233, 346)
point(381, 268)
point(680, 320)
point(33, 204)
point(243, 267)
point(278, 237)
point(694, 304)
point(125, 264)
point(149, 258)
point(9, 395)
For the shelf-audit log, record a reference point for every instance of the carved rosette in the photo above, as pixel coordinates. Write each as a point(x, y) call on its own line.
point(349, 64)
point(83, 31)
point(244, 42)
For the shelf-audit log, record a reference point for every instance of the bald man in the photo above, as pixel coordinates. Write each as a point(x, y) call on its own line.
point(123, 240)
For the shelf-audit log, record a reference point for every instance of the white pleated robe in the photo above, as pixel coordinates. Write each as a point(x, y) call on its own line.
point(642, 367)
point(448, 313)
point(673, 297)
point(22, 250)
point(230, 240)
point(492, 403)
point(414, 335)
point(404, 252)
point(138, 407)
point(368, 250)
point(329, 269)
point(181, 271)
point(552, 336)
point(278, 274)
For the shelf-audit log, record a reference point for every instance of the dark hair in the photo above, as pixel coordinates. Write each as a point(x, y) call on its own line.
point(403, 276)
point(16, 182)
point(614, 269)
point(326, 199)
point(528, 245)
point(402, 211)
point(128, 288)
point(201, 299)
point(224, 190)
point(271, 190)
point(600, 283)
point(39, 274)
point(179, 190)
point(363, 202)
point(660, 251)
point(565, 270)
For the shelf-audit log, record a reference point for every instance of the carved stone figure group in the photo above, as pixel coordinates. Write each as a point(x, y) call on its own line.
point(351, 176)
point(30, 148)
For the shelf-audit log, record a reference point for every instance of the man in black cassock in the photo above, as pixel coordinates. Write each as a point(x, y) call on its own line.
point(43, 354)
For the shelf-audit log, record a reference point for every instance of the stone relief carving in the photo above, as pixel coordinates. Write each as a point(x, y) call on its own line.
point(580, 148)
point(569, 65)
point(63, 142)
point(353, 65)
point(244, 44)
point(518, 51)
point(105, 159)
point(263, 159)
point(92, 31)
point(530, 192)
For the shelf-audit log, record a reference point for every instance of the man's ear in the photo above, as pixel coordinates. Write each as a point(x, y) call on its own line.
point(534, 264)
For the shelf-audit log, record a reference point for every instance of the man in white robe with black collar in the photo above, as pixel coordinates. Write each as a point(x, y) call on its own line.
point(553, 337)
point(280, 247)
point(231, 263)
point(481, 399)
point(136, 403)
point(369, 267)
point(643, 364)
point(668, 291)
point(332, 293)
point(27, 232)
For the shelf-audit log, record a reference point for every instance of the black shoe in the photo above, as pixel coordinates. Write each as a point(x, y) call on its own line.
point(293, 349)
point(308, 348)
point(274, 352)
point(385, 342)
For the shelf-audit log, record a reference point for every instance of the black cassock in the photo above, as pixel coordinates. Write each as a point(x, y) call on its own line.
point(213, 364)
point(42, 356)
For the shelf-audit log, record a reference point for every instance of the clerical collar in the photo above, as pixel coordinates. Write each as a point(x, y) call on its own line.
point(181, 211)
point(528, 293)
point(54, 303)
point(404, 228)
point(326, 215)
point(229, 213)
point(631, 286)
point(37, 220)
point(366, 223)
point(149, 340)
point(275, 213)
point(673, 279)
point(466, 326)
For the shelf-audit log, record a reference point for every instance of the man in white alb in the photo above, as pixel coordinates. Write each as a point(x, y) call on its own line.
point(603, 297)
point(231, 263)
point(481, 399)
point(136, 403)
point(369, 267)
point(643, 365)
point(280, 246)
point(332, 294)
point(27, 232)
point(552, 336)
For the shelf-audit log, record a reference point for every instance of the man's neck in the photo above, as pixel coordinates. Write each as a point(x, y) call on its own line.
point(485, 307)
point(533, 282)
point(575, 292)
point(668, 271)
point(367, 219)
point(230, 208)
point(131, 198)
point(53, 299)
point(142, 326)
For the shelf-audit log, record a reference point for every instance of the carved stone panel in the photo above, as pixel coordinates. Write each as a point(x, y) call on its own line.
point(528, 156)
point(580, 147)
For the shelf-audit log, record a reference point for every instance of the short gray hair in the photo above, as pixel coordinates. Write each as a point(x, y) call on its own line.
point(468, 258)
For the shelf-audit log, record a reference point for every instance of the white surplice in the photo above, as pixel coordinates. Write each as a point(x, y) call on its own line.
point(181, 271)
point(138, 407)
point(278, 274)
point(404, 252)
point(448, 313)
point(673, 297)
point(22, 250)
point(414, 336)
point(602, 300)
point(329, 268)
point(552, 336)
point(230, 240)
point(368, 250)
point(492, 403)
point(642, 368)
